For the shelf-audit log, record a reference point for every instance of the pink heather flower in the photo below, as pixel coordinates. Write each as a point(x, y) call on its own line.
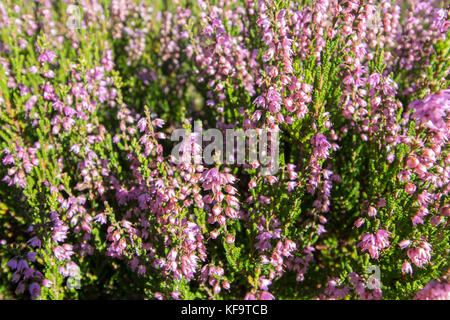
point(69, 112)
point(368, 242)
point(49, 74)
point(390, 157)
point(35, 290)
point(407, 268)
point(445, 210)
point(429, 155)
point(46, 283)
point(100, 218)
point(211, 175)
point(264, 283)
point(159, 123)
point(12, 264)
point(372, 212)
point(274, 107)
point(440, 19)
point(141, 270)
point(382, 238)
point(189, 265)
point(8, 160)
point(31, 256)
point(266, 296)
point(214, 234)
point(359, 222)
point(410, 188)
point(307, 88)
point(229, 239)
point(59, 253)
point(231, 213)
point(33, 69)
point(208, 30)
point(374, 79)
point(436, 220)
point(421, 170)
point(374, 243)
point(420, 256)
point(232, 201)
point(289, 247)
point(404, 243)
point(269, 54)
point(75, 148)
point(273, 96)
point(268, 37)
point(432, 110)
point(260, 101)
point(424, 198)
point(375, 101)
point(48, 92)
point(217, 209)
point(47, 56)
point(50, 56)
point(291, 185)
point(321, 146)
point(257, 115)
point(216, 288)
point(34, 242)
point(439, 14)
point(321, 229)
point(176, 295)
point(249, 296)
point(434, 290)
point(142, 124)
point(158, 296)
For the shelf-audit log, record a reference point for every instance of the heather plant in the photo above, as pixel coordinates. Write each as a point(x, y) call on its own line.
point(94, 204)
